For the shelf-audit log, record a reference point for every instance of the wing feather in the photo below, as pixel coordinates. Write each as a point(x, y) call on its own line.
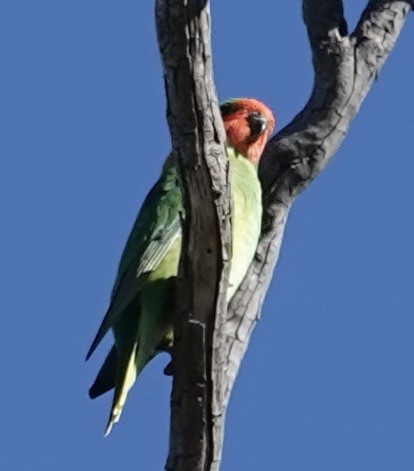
point(155, 230)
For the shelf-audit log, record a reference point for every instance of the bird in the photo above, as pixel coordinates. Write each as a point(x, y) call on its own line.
point(139, 312)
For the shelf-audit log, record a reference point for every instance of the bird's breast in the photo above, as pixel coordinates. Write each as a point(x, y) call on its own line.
point(247, 217)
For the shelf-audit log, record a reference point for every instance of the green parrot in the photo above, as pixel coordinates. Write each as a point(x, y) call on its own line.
point(140, 313)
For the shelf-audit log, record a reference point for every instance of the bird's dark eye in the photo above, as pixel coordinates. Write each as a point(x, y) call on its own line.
point(257, 123)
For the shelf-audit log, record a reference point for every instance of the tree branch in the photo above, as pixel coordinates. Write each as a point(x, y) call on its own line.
point(324, 21)
point(198, 146)
point(345, 66)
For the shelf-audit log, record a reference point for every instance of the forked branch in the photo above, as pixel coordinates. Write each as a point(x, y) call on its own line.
point(210, 346)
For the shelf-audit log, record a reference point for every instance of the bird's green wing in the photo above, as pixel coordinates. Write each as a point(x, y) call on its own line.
point(156, 228)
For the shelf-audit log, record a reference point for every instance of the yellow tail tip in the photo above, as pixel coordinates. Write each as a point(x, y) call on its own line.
point(113, 419)
point(108, 429)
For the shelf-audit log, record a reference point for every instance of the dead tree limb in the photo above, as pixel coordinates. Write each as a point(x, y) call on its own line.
point(209, 347)
point(345, 67)
point(198, 145)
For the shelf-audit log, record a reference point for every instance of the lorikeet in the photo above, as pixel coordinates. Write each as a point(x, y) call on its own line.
point(140, 312)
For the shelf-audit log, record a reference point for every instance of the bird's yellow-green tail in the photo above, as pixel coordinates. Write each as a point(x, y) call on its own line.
point(130, 365)
point(125, 378)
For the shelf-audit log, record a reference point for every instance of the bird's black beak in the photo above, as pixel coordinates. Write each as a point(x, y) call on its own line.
point(257, 124)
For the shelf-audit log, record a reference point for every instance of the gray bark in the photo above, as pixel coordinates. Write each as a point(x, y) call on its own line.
point(198, 145)
point(210, 340)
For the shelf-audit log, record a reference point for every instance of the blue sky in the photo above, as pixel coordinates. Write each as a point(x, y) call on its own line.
point(328, 381)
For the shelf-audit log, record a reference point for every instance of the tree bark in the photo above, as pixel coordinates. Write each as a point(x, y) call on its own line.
point(210, 340)
point(198, 146)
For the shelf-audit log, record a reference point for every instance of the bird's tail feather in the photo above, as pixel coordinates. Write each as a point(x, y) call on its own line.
point(130, 365)
point(105, 380)
point(125, 378)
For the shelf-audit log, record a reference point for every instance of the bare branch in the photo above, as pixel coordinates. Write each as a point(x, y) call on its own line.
point(206, 362)
point(343, 76)
point(198, 145)
point(324, 19)
point(375, 32)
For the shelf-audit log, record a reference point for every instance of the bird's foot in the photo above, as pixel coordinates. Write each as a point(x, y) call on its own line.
point(169, 369)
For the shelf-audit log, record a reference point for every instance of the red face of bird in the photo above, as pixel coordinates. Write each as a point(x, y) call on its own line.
point(248, 124)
